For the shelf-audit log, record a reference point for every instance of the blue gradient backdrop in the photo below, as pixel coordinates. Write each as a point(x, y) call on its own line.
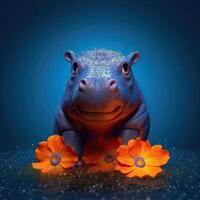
point(33, 72)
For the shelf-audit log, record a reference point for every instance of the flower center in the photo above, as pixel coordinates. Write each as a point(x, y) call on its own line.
point(55, 159)
point(139, 161)
point(109, 157)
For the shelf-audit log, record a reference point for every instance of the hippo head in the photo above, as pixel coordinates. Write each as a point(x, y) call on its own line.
point(101, 85)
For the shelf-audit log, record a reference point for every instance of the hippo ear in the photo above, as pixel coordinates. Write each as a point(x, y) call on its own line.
point(69, 56)
point(134, 57)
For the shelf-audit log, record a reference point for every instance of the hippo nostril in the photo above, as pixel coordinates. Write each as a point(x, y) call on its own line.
point(113, 84)
point(83, 84)
point(83, 81)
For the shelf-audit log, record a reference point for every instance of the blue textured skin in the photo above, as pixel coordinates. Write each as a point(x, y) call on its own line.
point(101, 99)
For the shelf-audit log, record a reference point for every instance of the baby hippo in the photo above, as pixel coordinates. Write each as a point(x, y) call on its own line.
point(101, 99)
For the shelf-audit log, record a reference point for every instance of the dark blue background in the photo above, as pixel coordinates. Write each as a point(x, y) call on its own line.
point(34, 35)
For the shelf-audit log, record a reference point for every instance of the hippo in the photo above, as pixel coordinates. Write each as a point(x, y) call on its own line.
point(101, 99)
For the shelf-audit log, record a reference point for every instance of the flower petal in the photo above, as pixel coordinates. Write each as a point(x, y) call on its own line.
point(123, 156)
point(102, 167)
point(152, 171)
point(55, 143)
point(157, 156)
point(124, 168)
point(48, 169)
point(68, 154)
point(42, 152)
point(41, 165)
point(68, 157)
point(137, 172)
point(67, 164)
point(106, 167)
point(145, 148)
point(41, 155)
point(134, 147)
point(43, 146)
point(145, 171)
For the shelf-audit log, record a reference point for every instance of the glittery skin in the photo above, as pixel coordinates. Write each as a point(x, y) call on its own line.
point(101, 57)
point(101, 100)
point(99, 61)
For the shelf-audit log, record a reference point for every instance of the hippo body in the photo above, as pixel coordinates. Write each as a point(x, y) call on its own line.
point(101, 99)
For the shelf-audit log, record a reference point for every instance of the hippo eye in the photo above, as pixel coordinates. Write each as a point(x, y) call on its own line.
point(75, 68)
point(125, 69)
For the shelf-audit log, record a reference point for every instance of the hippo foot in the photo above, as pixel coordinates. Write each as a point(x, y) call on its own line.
point(79, 163)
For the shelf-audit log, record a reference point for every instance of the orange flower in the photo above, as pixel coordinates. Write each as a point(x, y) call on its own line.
point(140, 159)
point(54, 156)
point(101, 154)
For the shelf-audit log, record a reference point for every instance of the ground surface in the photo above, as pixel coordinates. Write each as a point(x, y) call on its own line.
point(18, 180)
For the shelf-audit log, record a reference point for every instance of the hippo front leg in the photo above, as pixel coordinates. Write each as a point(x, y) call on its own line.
point(73, 139)
point(71, 135)
point(137, 126)
point(127, 134)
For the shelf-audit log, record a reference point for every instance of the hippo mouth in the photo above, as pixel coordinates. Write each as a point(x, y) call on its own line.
point(100, 115)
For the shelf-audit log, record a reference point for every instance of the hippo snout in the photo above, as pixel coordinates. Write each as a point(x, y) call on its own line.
point(97, 95)
point(86, 86)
